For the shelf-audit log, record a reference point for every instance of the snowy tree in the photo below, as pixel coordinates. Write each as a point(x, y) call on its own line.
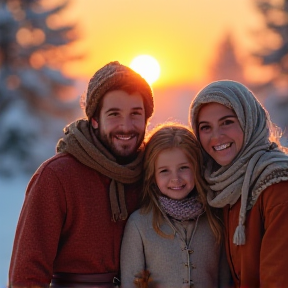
point(225, 65)
point(273, 55)
point(273, 39)
point(33, 91)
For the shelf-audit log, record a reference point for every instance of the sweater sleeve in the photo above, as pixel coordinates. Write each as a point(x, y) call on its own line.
point(274, 249)
point(38, 231)
point(225, 276)
point(132, 261)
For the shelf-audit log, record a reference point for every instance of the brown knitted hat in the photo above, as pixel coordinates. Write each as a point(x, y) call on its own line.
point(113, 74)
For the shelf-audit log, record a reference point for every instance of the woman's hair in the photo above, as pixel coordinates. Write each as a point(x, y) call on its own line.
point(166, 136)
point(275, 135)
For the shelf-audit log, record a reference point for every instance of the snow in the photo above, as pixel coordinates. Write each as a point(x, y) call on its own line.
point(12, 192)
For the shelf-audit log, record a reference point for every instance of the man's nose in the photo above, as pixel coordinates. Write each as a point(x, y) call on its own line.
point(126, 123)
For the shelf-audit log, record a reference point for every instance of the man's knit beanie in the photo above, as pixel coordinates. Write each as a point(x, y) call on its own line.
point(112, 75)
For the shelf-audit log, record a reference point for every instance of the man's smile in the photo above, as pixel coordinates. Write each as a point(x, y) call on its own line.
point(124, 137)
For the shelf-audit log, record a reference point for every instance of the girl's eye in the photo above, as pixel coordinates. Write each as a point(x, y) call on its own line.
point(163, 171)
point(184, 167)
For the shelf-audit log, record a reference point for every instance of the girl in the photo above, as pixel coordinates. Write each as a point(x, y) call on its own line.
point(247, 174)
point(174, 235)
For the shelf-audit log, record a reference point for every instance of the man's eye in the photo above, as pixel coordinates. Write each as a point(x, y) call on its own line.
point(137, 113)
point(113, 114)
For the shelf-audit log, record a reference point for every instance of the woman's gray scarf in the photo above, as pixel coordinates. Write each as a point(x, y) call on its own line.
point(259, 163)
point(81, 142)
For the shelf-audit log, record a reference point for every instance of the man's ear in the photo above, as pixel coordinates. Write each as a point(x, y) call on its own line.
point(94, 123)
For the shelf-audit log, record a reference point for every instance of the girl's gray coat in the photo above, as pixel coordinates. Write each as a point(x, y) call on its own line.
point(190, 258)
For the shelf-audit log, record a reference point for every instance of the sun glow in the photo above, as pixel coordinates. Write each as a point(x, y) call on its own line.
point(147, 67)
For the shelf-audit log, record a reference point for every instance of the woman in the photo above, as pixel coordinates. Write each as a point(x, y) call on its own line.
point(248, 177)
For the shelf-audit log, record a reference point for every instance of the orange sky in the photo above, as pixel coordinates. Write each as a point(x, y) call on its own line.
point(181, 34)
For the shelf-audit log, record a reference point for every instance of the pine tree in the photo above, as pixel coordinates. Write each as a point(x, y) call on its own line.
point(273, 50)
point(32, 87)
point(273, 53)
point(225, 64)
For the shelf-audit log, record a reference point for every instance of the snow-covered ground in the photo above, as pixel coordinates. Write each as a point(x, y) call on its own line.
point(12, 192)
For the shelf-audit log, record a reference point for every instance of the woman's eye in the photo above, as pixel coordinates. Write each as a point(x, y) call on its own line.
point(228, 122)
point(204, 127)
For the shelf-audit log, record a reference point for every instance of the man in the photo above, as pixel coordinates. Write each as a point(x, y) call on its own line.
point(77, 203)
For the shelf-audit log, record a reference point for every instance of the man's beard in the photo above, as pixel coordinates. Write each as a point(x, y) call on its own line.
point(125, 154)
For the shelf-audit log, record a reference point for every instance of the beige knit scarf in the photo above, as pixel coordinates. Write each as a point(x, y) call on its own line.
point(81, 142)
point(258, 165)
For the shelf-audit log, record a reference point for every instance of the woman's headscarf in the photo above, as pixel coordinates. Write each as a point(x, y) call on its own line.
point(258, 164)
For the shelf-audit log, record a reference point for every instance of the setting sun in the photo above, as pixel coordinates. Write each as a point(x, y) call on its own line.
point(147, 67)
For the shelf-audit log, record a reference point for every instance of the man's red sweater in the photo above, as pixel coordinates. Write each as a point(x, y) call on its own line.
point(65, 224)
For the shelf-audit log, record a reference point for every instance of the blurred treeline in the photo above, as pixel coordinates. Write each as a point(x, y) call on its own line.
point(264, 69)
point(34, 92)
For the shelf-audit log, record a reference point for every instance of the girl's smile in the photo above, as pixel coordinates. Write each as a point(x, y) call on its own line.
point(174, 174)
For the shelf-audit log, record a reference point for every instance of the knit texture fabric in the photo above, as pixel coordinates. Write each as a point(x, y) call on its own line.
point(259, 163)
point(185, 209)
point(81, 142)
point(113, 74)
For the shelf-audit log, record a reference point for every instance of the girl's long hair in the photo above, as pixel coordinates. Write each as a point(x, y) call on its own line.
point(167, 136)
